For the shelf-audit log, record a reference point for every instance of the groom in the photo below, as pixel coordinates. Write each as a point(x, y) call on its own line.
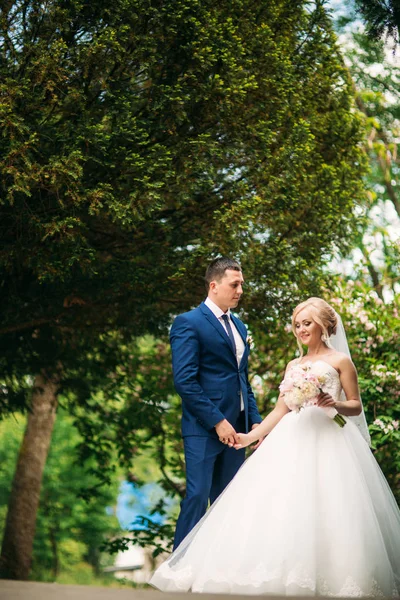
point(209, 362)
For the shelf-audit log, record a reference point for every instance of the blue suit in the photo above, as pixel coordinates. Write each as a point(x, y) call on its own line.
point(210, 382)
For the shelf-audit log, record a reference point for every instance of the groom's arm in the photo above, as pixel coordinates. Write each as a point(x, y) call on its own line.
point(254, 415)
point(185, 368)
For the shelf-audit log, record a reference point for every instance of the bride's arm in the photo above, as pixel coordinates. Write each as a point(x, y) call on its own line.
point(280, 410)
point(349, 381)
point(267, 425)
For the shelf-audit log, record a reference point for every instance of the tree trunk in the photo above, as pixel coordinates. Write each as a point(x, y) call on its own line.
point(16, 552)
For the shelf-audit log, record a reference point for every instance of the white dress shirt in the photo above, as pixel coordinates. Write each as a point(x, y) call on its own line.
point(218, 312)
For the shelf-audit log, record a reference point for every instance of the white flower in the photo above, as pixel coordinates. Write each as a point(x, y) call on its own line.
point(250, 341)
point(386, 427)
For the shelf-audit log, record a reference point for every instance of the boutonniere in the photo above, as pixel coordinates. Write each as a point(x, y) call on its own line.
point(250, 341)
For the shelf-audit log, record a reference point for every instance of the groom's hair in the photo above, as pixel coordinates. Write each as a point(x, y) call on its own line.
point(216, 269)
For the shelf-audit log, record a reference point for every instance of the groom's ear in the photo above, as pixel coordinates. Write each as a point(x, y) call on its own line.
point(212, 286)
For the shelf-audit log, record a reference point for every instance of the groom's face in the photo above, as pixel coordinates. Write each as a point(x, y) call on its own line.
point(227, 291)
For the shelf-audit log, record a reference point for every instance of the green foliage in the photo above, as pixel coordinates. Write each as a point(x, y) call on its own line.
point(69, 530)
point(373, 329)
point(129, 410)
point(148, 533)
point(83, 574)
point(375, 74)
point(382, 18)
point(141, 139)
point(370, 302)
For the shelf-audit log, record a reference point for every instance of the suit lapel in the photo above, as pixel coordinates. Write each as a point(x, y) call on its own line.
point(218, 326)
point(242, 332)
point(239, 326)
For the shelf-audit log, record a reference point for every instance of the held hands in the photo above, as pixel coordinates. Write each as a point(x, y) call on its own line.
point(243, 441)
point(226, 433)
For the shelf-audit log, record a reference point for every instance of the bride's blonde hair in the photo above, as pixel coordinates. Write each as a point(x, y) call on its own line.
point(322, 313)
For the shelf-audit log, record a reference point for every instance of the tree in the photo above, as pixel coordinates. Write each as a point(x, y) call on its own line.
point(20, 527)
point(139, 140)
point(69, 529)
point(367, 298)
point(382, 17)
point(370, 296)
point(375, 77)
point(158, 124)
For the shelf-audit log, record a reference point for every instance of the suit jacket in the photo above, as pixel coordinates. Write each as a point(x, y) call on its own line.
point(206, 373)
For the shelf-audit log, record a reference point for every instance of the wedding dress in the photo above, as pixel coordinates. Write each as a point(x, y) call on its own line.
point(309, 513)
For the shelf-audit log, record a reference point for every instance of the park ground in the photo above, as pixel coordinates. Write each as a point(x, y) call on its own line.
point(26, 590)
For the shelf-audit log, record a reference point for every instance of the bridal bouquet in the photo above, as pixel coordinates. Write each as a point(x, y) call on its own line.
point(301, 387)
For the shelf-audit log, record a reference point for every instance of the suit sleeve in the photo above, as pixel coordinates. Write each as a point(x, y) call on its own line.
point(254, 415)
point(185, 368)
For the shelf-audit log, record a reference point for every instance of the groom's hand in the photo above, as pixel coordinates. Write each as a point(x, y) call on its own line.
point(226, 433)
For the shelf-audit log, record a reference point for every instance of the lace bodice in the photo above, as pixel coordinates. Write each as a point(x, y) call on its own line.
point(303, 382)
point(333, 386)
point(332, 383)
point(304, 379)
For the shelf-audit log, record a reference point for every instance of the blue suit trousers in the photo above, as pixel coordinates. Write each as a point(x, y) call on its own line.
point(210, 466)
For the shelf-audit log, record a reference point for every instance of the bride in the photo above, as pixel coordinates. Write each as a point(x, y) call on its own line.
point(310, 512)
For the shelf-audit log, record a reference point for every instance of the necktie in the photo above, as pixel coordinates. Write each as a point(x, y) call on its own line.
point(225, 319)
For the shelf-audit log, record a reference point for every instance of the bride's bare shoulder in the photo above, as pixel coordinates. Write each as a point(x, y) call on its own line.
point(292, 363)
point(341, 361)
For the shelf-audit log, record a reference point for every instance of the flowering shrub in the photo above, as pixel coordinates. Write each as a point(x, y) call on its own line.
point(373, 332)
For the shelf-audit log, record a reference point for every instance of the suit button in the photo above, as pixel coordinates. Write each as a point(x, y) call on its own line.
point(239, 393)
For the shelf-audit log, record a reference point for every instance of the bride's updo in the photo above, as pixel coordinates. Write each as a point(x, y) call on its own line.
point(322, 313)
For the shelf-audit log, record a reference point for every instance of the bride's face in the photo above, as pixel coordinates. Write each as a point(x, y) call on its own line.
point(307, 330)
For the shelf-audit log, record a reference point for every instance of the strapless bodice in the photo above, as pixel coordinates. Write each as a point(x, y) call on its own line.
point(321, 368)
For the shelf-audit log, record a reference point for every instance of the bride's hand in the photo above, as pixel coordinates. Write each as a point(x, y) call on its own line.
point(243, 441)
point(325, 400)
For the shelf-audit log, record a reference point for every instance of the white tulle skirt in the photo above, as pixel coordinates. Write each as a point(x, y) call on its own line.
point(309, 513)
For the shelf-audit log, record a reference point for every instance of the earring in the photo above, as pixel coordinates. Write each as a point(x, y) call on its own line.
point(324, 338)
